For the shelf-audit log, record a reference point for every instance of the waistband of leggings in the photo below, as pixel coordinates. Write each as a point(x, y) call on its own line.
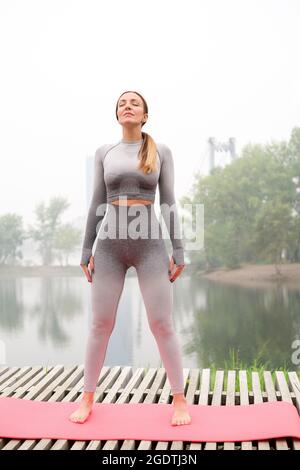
point(131, 208)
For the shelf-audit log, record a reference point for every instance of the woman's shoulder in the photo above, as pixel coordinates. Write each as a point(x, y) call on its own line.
point(164, 151)
point(102, 150)
point(162, 146)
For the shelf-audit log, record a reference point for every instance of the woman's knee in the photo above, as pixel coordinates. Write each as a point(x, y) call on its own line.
point(162, 327)
point(103, 325)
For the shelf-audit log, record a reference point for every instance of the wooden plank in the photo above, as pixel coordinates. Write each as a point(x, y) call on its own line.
point(28, 392)
point(130, 388)
point(3, 370)
point(7, 375)
point(111, 397)
point(125, 374)
point(280, 443)
point(148, 387)
point(180, 445)
point(122, 385)
point(59, 380)
point(295, 384)
point(264, 444)
point(192, 381)
point(65, 391)
point(165, 397)
point(107, 379)
point(161, 382)
point(16, 380)
point(20, 380)
point(230, 400)
point(244, 400)
point(203, 400)
point(216, 400)
point(285, 394)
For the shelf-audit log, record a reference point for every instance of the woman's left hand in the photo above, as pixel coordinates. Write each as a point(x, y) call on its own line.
point(174, 270)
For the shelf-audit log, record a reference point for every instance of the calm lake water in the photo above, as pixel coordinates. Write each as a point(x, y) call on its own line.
point(45, 321)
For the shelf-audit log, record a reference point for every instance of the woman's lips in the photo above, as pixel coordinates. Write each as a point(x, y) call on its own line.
point(128, 114)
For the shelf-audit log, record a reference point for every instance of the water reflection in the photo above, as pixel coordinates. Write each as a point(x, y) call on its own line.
point(257, 323)
point(46, 320)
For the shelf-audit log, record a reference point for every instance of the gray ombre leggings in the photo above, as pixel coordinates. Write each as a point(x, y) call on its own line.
point(112, 258)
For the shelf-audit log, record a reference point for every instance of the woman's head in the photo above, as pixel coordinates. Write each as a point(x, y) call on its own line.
point(132, 113)
point(133, 103)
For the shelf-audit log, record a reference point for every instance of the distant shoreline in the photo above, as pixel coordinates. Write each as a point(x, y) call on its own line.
point(24, 271)
point(248, 273)
point(8, 272)
point(254, 273)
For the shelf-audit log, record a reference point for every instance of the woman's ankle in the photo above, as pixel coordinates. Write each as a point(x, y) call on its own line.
point(88, 397)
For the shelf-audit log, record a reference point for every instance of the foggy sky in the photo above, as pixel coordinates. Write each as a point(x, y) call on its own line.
point(222, 68)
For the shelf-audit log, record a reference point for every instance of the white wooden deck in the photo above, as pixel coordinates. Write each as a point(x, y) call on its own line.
point(125, 384)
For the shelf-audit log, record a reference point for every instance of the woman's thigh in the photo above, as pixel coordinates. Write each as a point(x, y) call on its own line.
point(152, 266)
point(108, 276)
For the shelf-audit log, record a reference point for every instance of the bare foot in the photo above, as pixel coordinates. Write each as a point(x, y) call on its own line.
point(181, 414)
point(82, 413)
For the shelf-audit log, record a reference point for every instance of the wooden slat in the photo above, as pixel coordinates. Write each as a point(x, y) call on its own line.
point(285, 394)
point(3, 369)
point(55, 388)
point(66, 391)
point(137, 397)
point(125, 374)
point(281, 443)
point(161, 382)
point(124, 385)
point(230, 400)
point(16, 386)
point(107, 379)
point(244, 400)
point(29, 391)
point(261, 445)
point(111, 397)
point(216, 400)
point(203, 400)
point(295, 384)
point(7, 375)
point(130, 388)
point(180, 445)
point(193, 381)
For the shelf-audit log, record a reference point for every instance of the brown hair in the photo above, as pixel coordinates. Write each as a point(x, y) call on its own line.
point(147, 153)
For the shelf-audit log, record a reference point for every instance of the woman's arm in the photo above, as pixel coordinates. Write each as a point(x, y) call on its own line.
point(168, 204)
point(95, 218)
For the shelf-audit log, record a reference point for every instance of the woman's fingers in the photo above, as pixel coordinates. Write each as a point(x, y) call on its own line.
point(174, 270)
point(87, 272)
point(177, 272)
point(92, 263)
point(91, 268)
point(171, 267)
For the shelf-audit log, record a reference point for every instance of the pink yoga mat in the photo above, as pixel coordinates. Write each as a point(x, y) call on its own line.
point(31, 419)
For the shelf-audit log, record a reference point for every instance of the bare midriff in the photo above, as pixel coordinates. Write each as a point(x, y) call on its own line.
point(130, 202)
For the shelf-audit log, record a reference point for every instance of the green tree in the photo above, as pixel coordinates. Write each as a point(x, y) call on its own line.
point(48, 223)
point(67, 239)
point(251, 206)
point(274, 231)
point(12, 236)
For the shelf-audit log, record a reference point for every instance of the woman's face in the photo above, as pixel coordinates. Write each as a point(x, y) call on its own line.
point(130, 110)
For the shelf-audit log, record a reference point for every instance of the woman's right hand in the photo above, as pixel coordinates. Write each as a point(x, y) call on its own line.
point(88, 269)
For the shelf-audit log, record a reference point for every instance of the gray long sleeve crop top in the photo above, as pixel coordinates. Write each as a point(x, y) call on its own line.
point(116, 175)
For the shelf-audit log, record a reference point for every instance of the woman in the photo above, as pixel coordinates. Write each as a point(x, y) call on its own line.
point(126, 175)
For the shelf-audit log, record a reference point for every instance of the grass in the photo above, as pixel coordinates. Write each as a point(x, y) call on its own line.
point(257, 365)
point(234, 363)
